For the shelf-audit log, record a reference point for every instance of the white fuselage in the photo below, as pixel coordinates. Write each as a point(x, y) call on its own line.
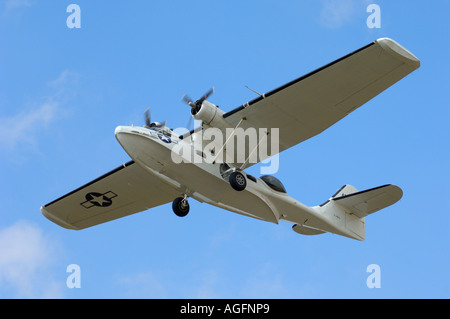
point(154, 151)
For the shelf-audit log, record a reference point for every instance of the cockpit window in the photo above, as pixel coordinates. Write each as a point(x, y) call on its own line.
point(273, 183)
point(156, 125)
point(160, 128)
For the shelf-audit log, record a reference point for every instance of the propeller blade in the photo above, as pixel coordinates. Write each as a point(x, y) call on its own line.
point(148, 122)
point(211, 91)
point(188, 100)
point(205, 96)
point(189, 123)
point(199, 102)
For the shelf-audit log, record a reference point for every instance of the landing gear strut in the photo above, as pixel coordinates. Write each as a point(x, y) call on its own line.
point(237, 181)
point(180, 206)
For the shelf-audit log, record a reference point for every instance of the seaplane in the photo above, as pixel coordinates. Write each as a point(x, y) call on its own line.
point(167, 167)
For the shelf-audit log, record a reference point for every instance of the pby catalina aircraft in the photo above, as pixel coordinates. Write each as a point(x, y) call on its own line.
point(297, 110)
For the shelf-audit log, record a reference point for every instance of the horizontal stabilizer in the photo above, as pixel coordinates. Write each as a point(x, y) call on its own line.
point(369, 201)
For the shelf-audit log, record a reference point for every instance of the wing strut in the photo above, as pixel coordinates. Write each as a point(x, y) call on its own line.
point(228, 139)
point(251, 153)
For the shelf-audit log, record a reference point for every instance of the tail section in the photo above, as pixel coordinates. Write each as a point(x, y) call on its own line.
point(369, 201)
point(347, 209)
point(345, 190)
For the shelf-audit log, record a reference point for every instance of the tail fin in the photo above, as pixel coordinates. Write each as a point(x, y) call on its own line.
point(345, 190)
point(347, 209)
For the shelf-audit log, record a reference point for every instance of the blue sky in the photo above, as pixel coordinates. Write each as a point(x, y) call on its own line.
point(63, 91)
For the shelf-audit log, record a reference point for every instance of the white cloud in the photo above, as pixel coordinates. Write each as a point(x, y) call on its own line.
point(11, 5)
point(26, 261)
point(265, 282)
point(142, 285)
point(208, 286)
point(63, 81)
point(336, 13)
point(25, 126)
point(148, 284)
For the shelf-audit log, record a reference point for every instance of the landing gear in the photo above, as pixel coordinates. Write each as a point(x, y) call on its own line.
point(180, 206)
point(237, 181)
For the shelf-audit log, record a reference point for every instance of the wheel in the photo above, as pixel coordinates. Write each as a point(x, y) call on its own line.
point(180, 206)
point(237, 181)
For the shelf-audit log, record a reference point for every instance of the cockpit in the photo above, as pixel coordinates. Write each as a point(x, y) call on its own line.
point(273, 183)
point(160, 128)
point(155, 125)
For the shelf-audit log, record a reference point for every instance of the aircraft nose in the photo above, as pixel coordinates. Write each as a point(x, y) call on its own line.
point(128, 140)
point(119, 129)
point(123, 135)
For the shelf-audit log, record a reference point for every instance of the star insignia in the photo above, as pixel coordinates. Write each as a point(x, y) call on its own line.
point(98, 199)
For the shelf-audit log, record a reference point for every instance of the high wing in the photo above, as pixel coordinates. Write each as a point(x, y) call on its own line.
point(125, 190)
point(310, 104)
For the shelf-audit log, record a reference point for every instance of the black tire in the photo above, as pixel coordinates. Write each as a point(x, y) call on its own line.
point(178, 208)
point(237, 181)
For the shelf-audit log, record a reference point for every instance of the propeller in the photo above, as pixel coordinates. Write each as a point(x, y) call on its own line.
point(147, 118)
point(148, 121)
point(195, 106)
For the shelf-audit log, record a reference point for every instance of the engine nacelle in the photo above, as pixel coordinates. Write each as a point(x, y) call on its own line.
point(210, 115)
